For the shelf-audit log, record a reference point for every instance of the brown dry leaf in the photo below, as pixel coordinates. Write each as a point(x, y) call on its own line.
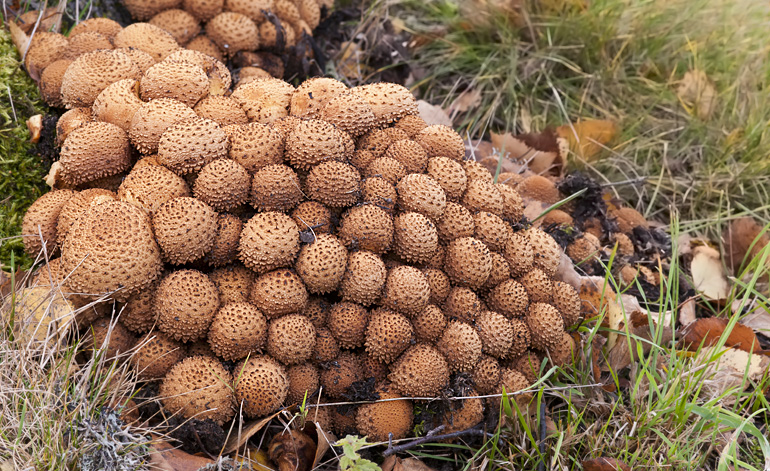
point(620, 356)
point(533, 209)
point(349, 61)
point(588, 138)
point(728, 372)
point(292, 450)
point(707, 331)
point(708, 276)
point(739, 239)
point(470, 98)
point(540, 151)
point(604, 464)
point(237, 440)
point(697, 94)
point(477, 13)
point(687, 312)
point(758, 320)
point(20, 39)
point(566, 272)
point(433, 114)
point(165, 457)
point(413, 464)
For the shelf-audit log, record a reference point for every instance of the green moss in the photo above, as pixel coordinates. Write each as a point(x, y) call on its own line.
point(21, 171)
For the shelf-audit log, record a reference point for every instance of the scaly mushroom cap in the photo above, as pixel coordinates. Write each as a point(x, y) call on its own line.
point(422, 194)
point(275, 187)
point(411, 124)
point(468, 262)
point(341, 374)
point(152, 119)
point(41, 219)
point(186, 302)
point(468, 415)
point(204, 10)
point(150, 186)
point(377, 191)
point(481, 195)
point(519, 254)
point(326, 346)
point(82, 43)
point(422, 371)
point(255, 145)
point(313, 215)
point(269, 240)
point(500, 271)
point(179, 80)
point(545, 324)
point(386, 167)
point(415, 237)
point(496, 333)
point(218, 74)
point(441, 141)
point(144, 10)
point(291, 339)
point(111, 248)
point(178, 23)
point(366, 227)
point(439, 284)
point(225, 248)
point(450, 176)
point(185, 229)
point(50, 82)
point(381, 419)
point(492, 230)
point(286, 11)
point(462, 304)
point(223, 184)
point(628, 219)
point(624, 243)
point(363, 279)
point(316, 309)
point(279, 292)
point(522, 338)
point(567, 300)
point(347, 322)
point(387, 335)
point(94, 150)
point(584, 248)
point(233, 283)
point(249, 74)
point(138, 313)
point(222, 109)
point(349, 113)
point(155, 354)
point(148, 38)
point(44, 49)
point(389, 101)
point(476, 171)
point(513, 205)
point(486, 374)
point(511, 381)
point(406, 290)
point(509, 298)
point(233, 32)
point(105, 26)
point(304, 379)
point(378, 140)
point(539, 188)
point(251, 8)
point(461, 345)
point(429, 324)
point(528, 364)
point(321, 264)
point(455, 222)
point(187, 146)
point(538, 285)
point(70, 121)
point(199, 387)
point(561, 354)
point(361, 159)
point(264, 100)
point(77, 206)
point(311, 96)
point(142, 59)
point(117, 103)
point(546, 251)
point(313, 141)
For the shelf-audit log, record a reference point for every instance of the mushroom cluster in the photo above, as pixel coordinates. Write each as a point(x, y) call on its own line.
point(282, 241)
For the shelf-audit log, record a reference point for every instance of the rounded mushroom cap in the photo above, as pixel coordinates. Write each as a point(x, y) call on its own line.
point(70, 121)
point(546, 251)
point(349, 113)
point(155, 354)
point(381, 419)
point(628, 219)
point(512, 381)
point(233, 32)
point(185, 229)
point(441, 141)
point(219, 77)
point(439, 284)
point(143, 10)
point(528, 365)
point(264, 100)
point(261, 385)
point(539, 188)
point(82, 43)
point(142, 60)
point(156, 42)
point(313, 215)
point(304, 379)
point(204, 10)
point(233, 283)
point(429, 324)
point(386, 167)
point(92, 72)
point(316, 309)
point(561, 354)
point(222, 109)
point(152, 119)
point(462, 304)
point(366, 227)
point(225, 248)
point(509, 298)
point(456, 222)
point(482, 195)
point(500, 271)
point(347, 323)
point(311, 96)
point(76, 207)
point(186, 302)
point(109, 28)
point(238, 329)
point(275, 187)
point(461, 345)
point(44, 49)
point(255, 145)
point(188, 145)
point(545, 324)
point(450, 175)
point(326, 346)
point(411, 124)
point(291, 339)
point(279, 292)
point(476, 171)
point(538, 285)
point(518, 253)
point(522, 338)
point(313, 141)
point(496, 333)
point(269, 240)
point(491, 230)
point(117, 103)
point(486, 374)
point(150, 186)
point(321, 264)
point(415, 236)
point(111, 248)
point(422, 371)
point(199, 387)
point(389, 101)
point(138, 313)
point(379, 192)
point(94, 150)
point(50, 82)
point(363, 279)
point(410, 154)
point(567, 300)
point(469, 414)
point(406, 290)
point(387, 335)
point(468, 262)
point(182, 26)
point(39, 225)
point(513, 205)
point(223, 184)
point(339, 375)
point(584, 248)
point(422, 194)
point(180, 80)
point(378, 140)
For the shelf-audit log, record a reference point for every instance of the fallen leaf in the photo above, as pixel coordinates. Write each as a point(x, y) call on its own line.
point(468, 99)
point(533, 209)
point(40, 315)
point(708, 276)
point(588, 138)
point(350, 62)
point(697, 94)
point(540, 151)
point(729, 371)
point(324, 442)
point(604, 464)
point(238, 439)
point(622, 355)
point(687, 312)
point(758, 320)
point(707, 331)
point(566, 272)
point(433, 114)
point(165, 457)
point(485, 13)
point(743, 239)
point(413, 464)
point(292, 450)
point(479, 150)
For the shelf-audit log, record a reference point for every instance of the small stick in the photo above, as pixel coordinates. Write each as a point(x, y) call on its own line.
point(541, 445)
point(430, 437)
point(630, 181)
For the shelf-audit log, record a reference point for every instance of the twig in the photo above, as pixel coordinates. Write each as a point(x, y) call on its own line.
point(431, 437)
point(541, 445)
point(10, 99)
point(630, 181)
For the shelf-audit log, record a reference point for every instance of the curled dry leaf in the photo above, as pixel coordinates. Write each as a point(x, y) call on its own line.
point(731, 370)
point(743, 239)
point(394, 463)
point(708, 276)
point(239, 438)
point(292, 450)
point(758, 320)
point(541, 151)
point(604, 464)
point(588, 138)
point(433, 114)
point(697, 94)
point(708, 331)
point(350, 62)
point(621, 355)
point(165, 457)
point(468, 99)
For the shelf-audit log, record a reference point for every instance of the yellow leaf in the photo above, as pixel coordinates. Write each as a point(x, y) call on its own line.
point(588, 138)
point(468, 99)
point(697, 94)
point(708, 277)
point(41, 314)
point(349, 63)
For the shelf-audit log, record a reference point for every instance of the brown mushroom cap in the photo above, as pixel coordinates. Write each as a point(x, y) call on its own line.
point(486, 374)
point(476, 171)
point(312, 142)
point(386, 167)
point(421, 371)
point(111, 248)
point(366, 227)
point(406, 290)
point(481, 195)
point(422, 194)
point(462, 304)
point(204, 10)
point(275, 187)
point(202, 43)
point(545, 324)
point(509, 298)
point(381, 419)
point(518, 253)
point(138, 313)
point(439, 284)
point(349, 113)
point(411, 124)
point(150, 186)
point(522, 338)
point(218, 74)
point(468, 262)
point(117, 103)
point(326, 346)
point(304, 379)
point(312, 215)
point(255, 145)
point(39, 225)
point(321, 264)
point(278, 293)
point(347, 323)
point(567, 300)
point(561, 354)
point(492, 230)
point(186, 302)
point(82, 43)
point(199, 387)
point(429, 324)
point(584, 248)
point(142, 59)
point(222, 109)
point(152, 119)
point(155, 354)
point(265, 100)
point(334, 184)
point(547, 253)
point(143, 10)
point(468, 415)
point(50, 82)
point(233, 32)
point(233, 283)
point(92, 72)
point(223, 184)
point(439, 140)
point(461, 345)
point(291, 339)
point(179, 80)
point(225, 248)
point(190, 144)
point(627, 219)
point(415, 237)
point(539, 286)
point(513, 205)
point(341, 374)
point(185, 229)
point(512, 381)
point(269, 240)
point(180, 24)
point(387, 335)
point(456, 222)
point(261, 385)
point(539, 188)
point(105, 26)
point(377, 191)
point(363, 279)
point(312, 94)
point(496, 333)
point(76, 207)
point(44, 49)
point(70, 121)
point(94, 150)
point(450, 175)
point(148, 38)
point(389, 101)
